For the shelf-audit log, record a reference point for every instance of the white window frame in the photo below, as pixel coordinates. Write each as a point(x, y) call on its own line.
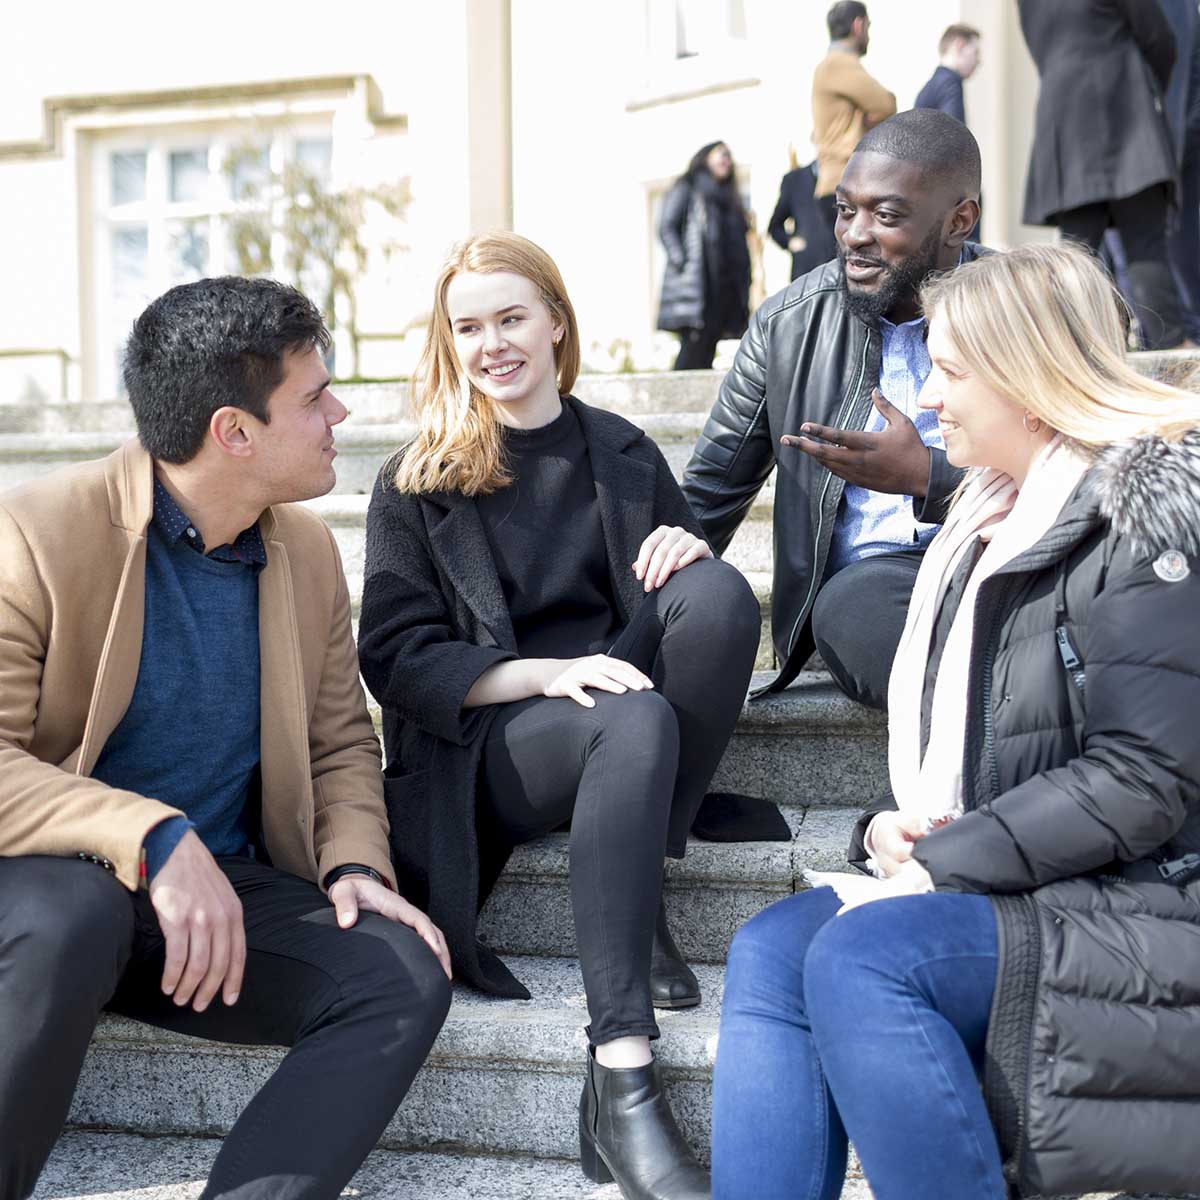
point(725, 61)
point(157, 210)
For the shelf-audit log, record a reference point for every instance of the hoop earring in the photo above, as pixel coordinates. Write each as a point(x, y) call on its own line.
point(1025, 415)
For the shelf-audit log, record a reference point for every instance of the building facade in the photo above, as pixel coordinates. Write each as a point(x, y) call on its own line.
point(143, 146)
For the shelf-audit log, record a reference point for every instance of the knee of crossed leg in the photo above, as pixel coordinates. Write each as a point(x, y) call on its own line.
point(727, 605)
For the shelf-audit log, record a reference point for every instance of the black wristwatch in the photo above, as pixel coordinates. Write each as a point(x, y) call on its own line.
point(352, 869)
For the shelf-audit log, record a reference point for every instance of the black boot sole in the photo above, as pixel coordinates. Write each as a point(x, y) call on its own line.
point(683, 1002)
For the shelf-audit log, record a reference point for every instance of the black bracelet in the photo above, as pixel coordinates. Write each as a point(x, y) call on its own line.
point(352, 869)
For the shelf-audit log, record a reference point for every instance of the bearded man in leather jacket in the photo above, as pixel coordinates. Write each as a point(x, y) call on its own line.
point(824, 388)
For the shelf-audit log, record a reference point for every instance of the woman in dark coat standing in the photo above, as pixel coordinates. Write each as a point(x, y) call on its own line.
point(1102, 152)
point(1034, 919)
point(551, 640)
point(706, 286)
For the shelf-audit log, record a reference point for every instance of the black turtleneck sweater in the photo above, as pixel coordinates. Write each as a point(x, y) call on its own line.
point(548, 543)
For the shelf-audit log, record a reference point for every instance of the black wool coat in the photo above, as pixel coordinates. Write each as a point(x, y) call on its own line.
point(706, 283)
point(1101, 131)
point(433, 620)
point(1081, 809)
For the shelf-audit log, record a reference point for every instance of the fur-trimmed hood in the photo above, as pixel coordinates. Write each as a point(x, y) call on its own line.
point(1149, 489)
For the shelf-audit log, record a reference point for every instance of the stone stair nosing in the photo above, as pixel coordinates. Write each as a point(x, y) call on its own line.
point(132, 1167)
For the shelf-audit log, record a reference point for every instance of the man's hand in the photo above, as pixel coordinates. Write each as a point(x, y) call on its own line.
point(353, 893)
point(201, 920)
point(894, 461)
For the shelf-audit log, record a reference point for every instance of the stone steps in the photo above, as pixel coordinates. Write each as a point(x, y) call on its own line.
point(115, 1166)
point(503, 1078)
point(362, 448)
point(710, 893)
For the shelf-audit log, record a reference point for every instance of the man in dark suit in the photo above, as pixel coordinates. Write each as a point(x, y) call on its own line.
point(798, 225)
point(958, 57)
point(1102, 151)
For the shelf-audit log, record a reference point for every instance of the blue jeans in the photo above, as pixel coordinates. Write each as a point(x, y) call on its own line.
point(870, 1025)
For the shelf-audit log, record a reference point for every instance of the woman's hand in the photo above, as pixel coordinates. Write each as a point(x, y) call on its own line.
point(568, 677)
point(910, 879)
point(665, 551)
point(890, 838)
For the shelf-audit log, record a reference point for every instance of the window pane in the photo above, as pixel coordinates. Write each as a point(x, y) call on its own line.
point(249, 169)
point(187, 250)
point(130, 255)
point(315, 155)
point(189, 175)
point(128, 170)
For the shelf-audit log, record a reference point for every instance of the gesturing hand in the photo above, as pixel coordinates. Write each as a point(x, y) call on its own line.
point(664, 552)
point(353, 893)
point(595, 671)
point(201, 920)
point(894, 460)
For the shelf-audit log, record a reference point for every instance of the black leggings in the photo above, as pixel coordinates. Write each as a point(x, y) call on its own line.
point(360, 1008)
point(629, 774)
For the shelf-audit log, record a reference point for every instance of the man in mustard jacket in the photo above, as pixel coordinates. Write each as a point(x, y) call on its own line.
point(192, 827)
point(846, 100)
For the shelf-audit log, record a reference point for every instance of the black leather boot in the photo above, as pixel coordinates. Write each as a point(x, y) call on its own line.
point(627, 1133)
point(672, 983)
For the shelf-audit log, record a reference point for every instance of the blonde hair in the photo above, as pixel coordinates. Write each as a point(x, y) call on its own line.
point(1044, 326)
point(458, 446)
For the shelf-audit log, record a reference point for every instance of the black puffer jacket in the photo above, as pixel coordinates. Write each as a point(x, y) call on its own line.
point(1082, 809)
point(804, 358)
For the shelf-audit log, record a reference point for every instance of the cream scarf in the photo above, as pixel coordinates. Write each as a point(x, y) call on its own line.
point(1010, 522)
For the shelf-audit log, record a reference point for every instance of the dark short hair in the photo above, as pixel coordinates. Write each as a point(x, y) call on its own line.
point(956, 33)
point(943, 146)
point(841, 18)
point(205, 345)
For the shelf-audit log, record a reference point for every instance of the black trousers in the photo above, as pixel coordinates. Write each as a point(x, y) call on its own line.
point(697, 349)
point(360, 1009)
point(1141, 221)
point(629, 774)
point(857, 621)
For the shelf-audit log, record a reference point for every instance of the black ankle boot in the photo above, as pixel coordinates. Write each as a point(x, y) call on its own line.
point(672, 983)
point(627, 1133)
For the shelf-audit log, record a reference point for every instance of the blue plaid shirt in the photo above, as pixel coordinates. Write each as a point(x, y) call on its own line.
point(870, 523)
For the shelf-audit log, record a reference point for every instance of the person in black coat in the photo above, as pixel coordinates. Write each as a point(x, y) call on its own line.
point(706, 285)
point(1031, 920)
point(1102, 153)
point(551, 640)
point(798, 226)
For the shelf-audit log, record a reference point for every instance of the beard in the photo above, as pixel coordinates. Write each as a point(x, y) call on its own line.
point(899, 283)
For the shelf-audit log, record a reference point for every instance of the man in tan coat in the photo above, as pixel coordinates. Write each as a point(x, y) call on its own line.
point(192, 827)
point(846, 101)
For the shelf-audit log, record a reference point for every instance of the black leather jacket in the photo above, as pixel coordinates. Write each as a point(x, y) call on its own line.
point(804, 358)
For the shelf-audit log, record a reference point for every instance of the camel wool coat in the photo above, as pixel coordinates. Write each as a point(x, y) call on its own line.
point(72, 602)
